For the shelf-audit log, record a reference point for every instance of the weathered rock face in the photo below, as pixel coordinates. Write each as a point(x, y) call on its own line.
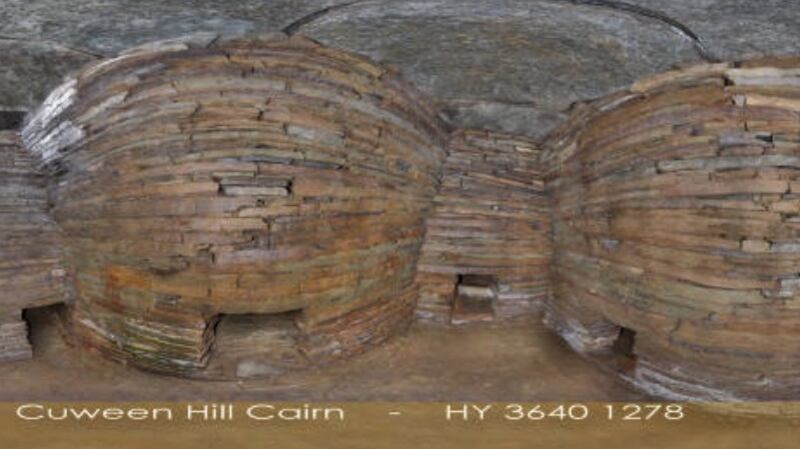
point(29, 71)
point(486, 251)
point(734, 29)
point(198, 180)
point(107, 27)
point(500, 64)
point(675, 220)
point(31, 273)
point(512, 65)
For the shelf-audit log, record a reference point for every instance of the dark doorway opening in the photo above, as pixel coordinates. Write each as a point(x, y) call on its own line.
point(45, 326)
point(623, 349)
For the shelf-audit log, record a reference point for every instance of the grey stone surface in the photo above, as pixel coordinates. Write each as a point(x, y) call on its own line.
point(42, 40)
point(522, 118)
point(30, 70)
point(737, 29)
point(510, 65)
point(527, 59)
point(109, 26)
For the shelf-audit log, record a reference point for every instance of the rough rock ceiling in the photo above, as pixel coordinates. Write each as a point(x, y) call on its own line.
point(508, 65)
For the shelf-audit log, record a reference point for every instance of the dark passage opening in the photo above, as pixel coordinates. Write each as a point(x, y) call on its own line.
point(11, 119)
point(474, 298)
point(623, 349)
point(255, 345)
point(45, 326)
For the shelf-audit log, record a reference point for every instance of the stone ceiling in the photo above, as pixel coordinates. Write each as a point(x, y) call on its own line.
point(509, 65)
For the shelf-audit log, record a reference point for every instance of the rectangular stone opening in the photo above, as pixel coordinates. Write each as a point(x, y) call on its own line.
point(474, 299)
point(37, 329)
point(255, 345)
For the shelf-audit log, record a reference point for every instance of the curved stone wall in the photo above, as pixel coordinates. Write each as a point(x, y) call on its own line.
point(267, 175)
point(675, 224)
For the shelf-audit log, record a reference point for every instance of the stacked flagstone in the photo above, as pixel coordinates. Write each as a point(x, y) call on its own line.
point(486, 251)
point(676, 222)
point(266, 200)
point(267, 175)
point(31, 274)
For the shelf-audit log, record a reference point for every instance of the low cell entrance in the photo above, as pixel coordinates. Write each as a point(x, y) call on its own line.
point(255, 345)
point(474, 298)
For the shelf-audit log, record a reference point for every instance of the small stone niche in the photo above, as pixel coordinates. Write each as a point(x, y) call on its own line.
point(474, 299)
point(255, 346)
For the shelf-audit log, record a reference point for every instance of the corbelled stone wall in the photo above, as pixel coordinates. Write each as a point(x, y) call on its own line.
point(31, 271)
point(675, 221)
point(279, 203)
point(488, 235)
point(270, 175)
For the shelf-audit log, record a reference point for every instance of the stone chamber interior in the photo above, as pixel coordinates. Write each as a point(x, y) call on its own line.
point(293, 204)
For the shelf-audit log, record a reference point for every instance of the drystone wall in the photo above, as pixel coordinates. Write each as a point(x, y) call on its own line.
point(277, 204)
point(197, 181)
point(486, 251)
point(31, 271)
point(675, 221)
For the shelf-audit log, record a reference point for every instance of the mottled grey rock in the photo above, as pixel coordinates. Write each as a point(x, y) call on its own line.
point(509, 65)
point(109, 26)
point(43, 40)
point(522, 119)
point(736, 29)
point(504, 55)
point(30, 70)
